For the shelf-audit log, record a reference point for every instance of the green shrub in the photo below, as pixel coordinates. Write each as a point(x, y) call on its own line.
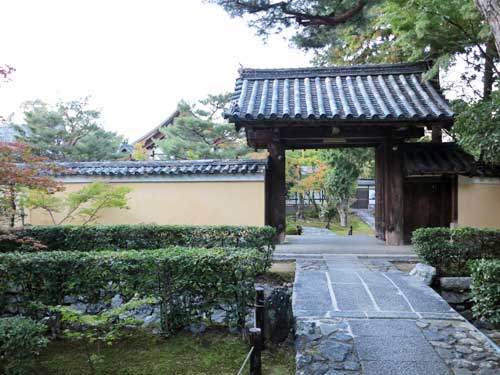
point(20, 339)
point(127, 237)
point(451, 250)
point(190, 282)
point(292, 229)
point(486, 289)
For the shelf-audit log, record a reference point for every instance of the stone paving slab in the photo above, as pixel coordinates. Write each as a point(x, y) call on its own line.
point(354, 319)
point(404, 368)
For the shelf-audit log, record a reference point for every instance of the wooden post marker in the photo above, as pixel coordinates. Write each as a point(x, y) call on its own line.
point(254, 335)
point(259, 312)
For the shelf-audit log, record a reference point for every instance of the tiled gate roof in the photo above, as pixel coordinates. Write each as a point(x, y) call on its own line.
point(362, 92)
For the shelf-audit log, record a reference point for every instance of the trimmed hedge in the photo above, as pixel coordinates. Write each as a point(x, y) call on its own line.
point(451, 250)
point(190, 282)
point(486, 289)
point(128, 237)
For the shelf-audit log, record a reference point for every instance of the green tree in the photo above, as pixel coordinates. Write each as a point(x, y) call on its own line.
point(477, 127)
point(70, 131)
point(200, 133)
point(388, 31)
point(344, 169)
point(296, 179)
point(85, 204)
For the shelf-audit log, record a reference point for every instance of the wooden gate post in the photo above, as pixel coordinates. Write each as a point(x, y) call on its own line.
point(255, 357)
point(394, 199)
point(379, 192)
point(276, 189)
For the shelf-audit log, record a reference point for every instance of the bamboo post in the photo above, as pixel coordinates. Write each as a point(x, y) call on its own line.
point(254, 335)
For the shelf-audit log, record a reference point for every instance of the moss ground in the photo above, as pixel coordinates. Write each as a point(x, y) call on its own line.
point(359, 227)
point(213, 353)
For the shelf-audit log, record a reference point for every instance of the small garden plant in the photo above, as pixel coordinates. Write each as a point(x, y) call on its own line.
point(20, 339)
point(102, 329)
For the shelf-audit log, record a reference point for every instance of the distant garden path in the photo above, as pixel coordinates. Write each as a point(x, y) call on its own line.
point(360, 316)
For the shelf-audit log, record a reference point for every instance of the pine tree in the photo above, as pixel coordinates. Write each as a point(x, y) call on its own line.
point(68, 132)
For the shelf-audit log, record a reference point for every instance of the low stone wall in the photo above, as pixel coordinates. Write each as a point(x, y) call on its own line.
point(456, 291)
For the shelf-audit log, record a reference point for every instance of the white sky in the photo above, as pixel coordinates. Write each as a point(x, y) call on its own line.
point(136, 58)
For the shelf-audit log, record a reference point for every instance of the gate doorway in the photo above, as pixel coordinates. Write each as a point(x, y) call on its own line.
point(387, 107)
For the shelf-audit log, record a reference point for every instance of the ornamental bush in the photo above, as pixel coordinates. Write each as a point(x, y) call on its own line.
point(127, 237)
point(20, 339)
point(451, 250)
point(486, 289)
point(189, 282)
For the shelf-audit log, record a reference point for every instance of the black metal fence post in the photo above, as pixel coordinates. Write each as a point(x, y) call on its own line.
point(259, 312)
point(254, 335)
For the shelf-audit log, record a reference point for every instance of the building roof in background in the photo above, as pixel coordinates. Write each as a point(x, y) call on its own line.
point(368, 93)
point(421, 159)
point(164, 168)
point(155, 134)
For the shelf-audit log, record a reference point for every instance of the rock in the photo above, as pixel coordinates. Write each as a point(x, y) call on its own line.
point(424, 272)
point(79, 306)
point(459, 335)
point(327, 329)
point(488, 372)
point(468, 341)
point(462, 371)
point(488, 365)
point(218, 316)
point(318, 368)
point(334, 351)
point(116, 301)
point(68, 300)
point(455, 284)
point(197, 328)
point(422, 324)
point(142, 312)
point(477, 356)
point(302, 360)
point(463, 349)
point(440, 344)
point(477, 349)
point(278, 322)
point(351, 365)
point(95, 308)
point(342, 337)
point(455, 297)
point(151, 319)
point(463, 363)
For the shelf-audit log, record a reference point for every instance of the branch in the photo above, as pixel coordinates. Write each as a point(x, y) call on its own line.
point(304, 18)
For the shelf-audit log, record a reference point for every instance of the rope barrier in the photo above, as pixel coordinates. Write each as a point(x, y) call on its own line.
point(246, 361)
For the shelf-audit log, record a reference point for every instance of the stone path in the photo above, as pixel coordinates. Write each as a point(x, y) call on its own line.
point(366, 216)
point(360, 316)
point(314, 231)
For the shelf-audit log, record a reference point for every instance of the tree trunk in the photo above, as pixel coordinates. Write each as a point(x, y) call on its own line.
point(13, 207)
point(300, 207)
point(490, 9)
point(313, 201)
point(343, 208)
point(488, 77)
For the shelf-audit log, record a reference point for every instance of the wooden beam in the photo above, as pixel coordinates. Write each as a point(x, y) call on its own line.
point(276, 191)
point(437, 134)
point(296, 136)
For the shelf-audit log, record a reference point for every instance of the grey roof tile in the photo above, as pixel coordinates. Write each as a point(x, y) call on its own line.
point(362, 92)
point(173, 167)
